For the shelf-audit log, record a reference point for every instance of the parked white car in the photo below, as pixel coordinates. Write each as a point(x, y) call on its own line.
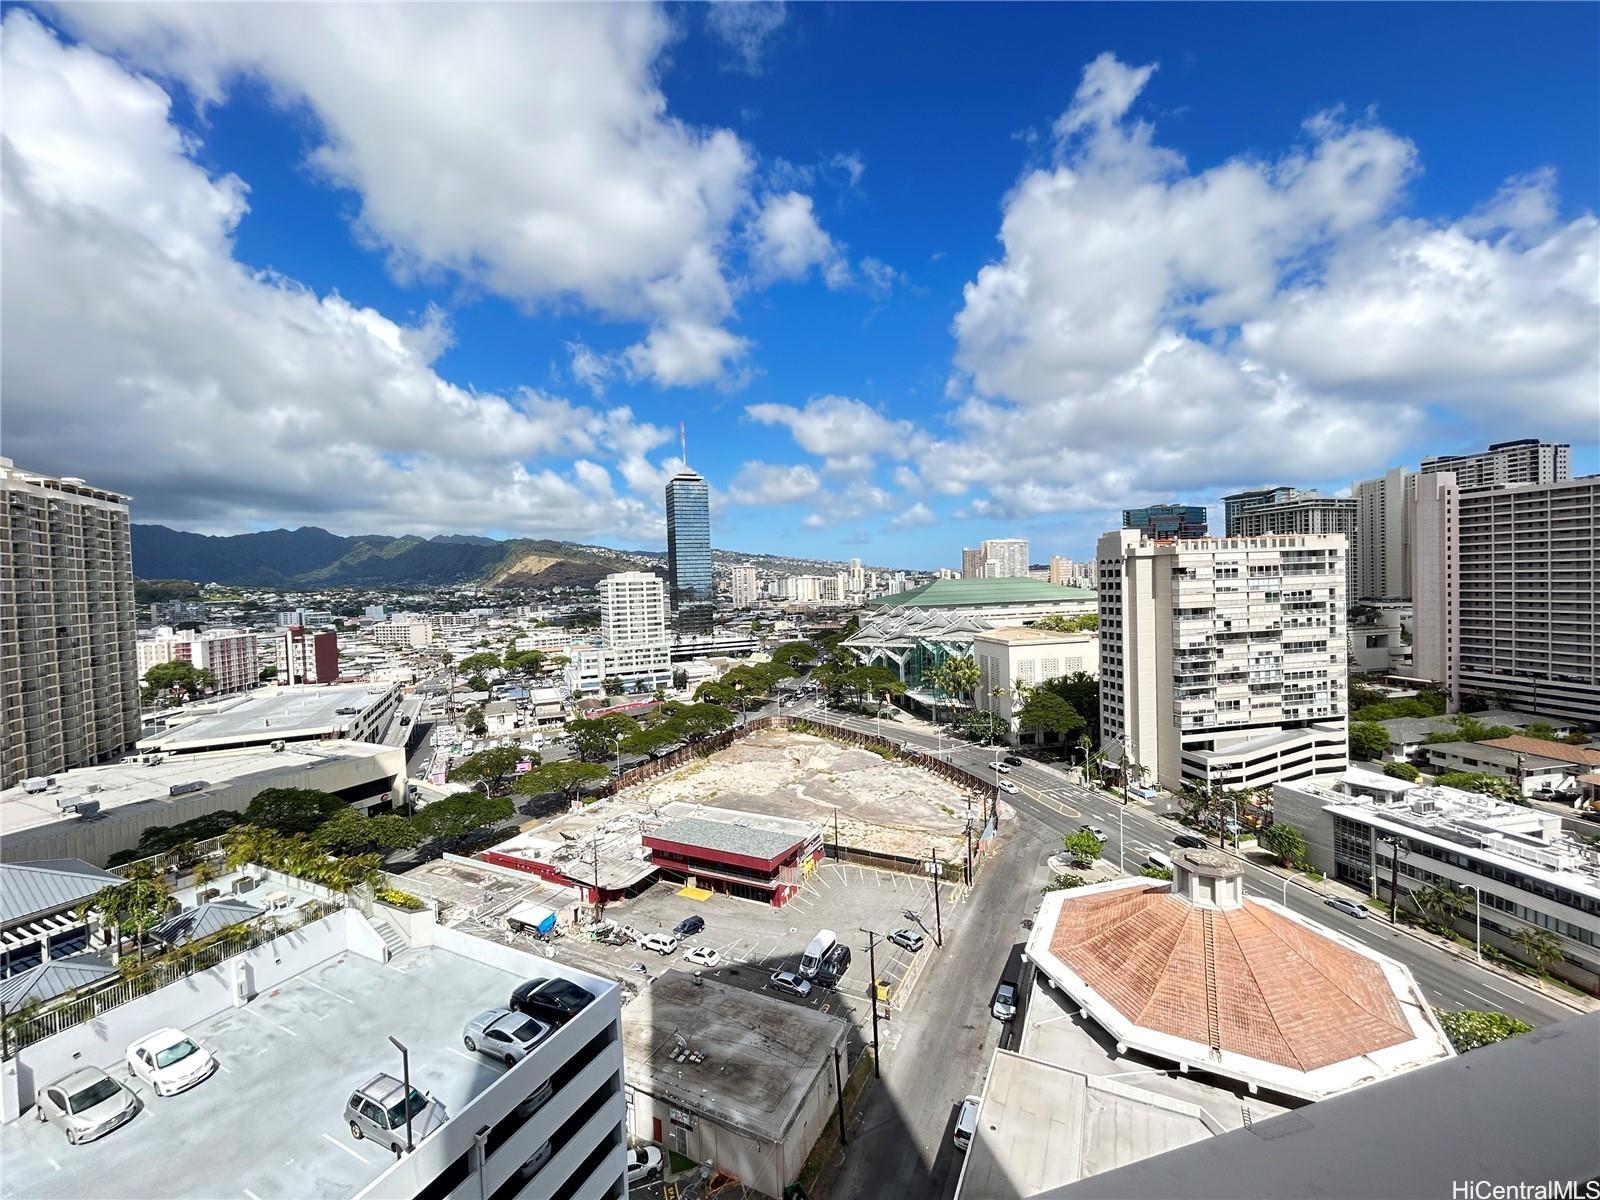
point(644, 1164)
point(170, 1061)
point(86, 1104)
point(704, 956)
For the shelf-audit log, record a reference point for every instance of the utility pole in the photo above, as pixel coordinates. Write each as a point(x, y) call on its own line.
point(1394, 876)
point(838, 1083)
point(938, 922)
point(966, 877)
point(872, 986)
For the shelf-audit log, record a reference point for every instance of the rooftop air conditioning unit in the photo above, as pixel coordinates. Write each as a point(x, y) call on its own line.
point(90, 789)
point(38, 783)
point(87, 808)
point(245, 883)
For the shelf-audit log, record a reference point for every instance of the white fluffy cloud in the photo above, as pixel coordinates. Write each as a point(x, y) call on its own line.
point(525, 148)
point(1151, 329)
point(839, 428)
point(760, 484)
point(917, 516)
point(745, 27)
point(140, 353)
point(788, 242)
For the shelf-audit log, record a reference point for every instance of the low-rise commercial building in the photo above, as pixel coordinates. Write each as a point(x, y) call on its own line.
point(1527, 873)
point(750, 855)
point(353, 712)
point(91, 813)
point(39, 910)
point(732, 1077)
point(1528, 768)
point(1022, 657)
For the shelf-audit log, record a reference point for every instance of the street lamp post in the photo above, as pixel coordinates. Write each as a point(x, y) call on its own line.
point(1286, 883)
point(405, 1084)
point(1477, 920)
point(1121, 812)
point(617, 738)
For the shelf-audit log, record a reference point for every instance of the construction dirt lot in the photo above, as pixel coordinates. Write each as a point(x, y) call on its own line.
point(888, 807)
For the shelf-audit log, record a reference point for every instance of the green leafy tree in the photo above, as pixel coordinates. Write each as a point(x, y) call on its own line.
point(1060, 623)
point(595, 738)
point(474, 664)
point(529, 662)
point(477, 683)
point(983, 727)
point(456, 817)
point(1542, 730)
point(680, 679)
point(1485, 785)
point(1083, 846)
point(695, 721)
point(876, 682)
point(1401, 770)
point(714, 691)
point(351, 832)
point(1368, 740)
point(795, 655)
point(1150, 872)
point(1541, 946)
point(492, 768)
point(1286, 843)
point(133, 906)
point(1439, 903)
point(292, 810)
point(1047, 713)
point(565, 778)
point(268, 673)
point(1062, 883)
point(1082, 691)
point(477, 725)
point(611, 685)
point(652, 741)
point(1470, 1029)
point(1576, 738)
point(176, 678)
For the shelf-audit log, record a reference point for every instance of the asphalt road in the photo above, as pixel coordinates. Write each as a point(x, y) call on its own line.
point(940, 1050)
point(1048, 801)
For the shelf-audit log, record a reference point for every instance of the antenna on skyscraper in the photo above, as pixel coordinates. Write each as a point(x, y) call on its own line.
point(683, 441)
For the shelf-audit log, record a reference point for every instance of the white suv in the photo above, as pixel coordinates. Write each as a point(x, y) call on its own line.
point(662, 943)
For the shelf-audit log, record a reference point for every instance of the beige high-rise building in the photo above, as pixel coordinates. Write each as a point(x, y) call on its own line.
point(1526, 460)
point(1382, 542)
point(743, 586)
point(1222, 660)
point(69, 685)
point(1508, 593)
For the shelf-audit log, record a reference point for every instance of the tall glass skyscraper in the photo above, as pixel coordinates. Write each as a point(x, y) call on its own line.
point(689, 552)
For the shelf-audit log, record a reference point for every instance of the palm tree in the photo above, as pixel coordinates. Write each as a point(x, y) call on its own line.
point(136, 904)
point(1542, 946)
point(1086, 744)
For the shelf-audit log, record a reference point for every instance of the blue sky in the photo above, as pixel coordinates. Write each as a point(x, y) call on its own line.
point(911, 276)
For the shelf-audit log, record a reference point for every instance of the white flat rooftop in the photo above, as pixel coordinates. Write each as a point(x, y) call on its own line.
point(279, 713)
point(271, 1122)
point(117, 785)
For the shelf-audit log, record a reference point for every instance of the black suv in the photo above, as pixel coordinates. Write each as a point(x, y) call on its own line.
point(689, 925)
point(834, 966)
point(553, 1000)
point(1190, 841)
point(1011, 760)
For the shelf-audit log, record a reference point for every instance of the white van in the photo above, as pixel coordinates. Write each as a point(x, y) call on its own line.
point(1158, 860)
point(811, 960)
point(967, 1122)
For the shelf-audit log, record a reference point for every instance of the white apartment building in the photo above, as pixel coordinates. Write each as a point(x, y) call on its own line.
point(1528, 872)
point(311, 617)
point(858, 578)
point(636, 645)
point(405, 634)
point(1382, 544)
point(1510, 609)
point(1066, 573)
point(1527, 460)
point(69, 684)
point(1024, 657)
point(996, 558)
point(229, 654)
point(1222, 660)
point(744, 587)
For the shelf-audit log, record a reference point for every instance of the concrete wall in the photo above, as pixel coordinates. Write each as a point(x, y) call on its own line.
point(120, 828)
point(103, 1041)
point(1292, 805)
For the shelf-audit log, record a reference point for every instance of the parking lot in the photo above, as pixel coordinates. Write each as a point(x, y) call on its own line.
point(753, 940)
point(270, 1122)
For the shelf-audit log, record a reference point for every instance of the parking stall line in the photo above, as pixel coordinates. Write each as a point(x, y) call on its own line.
point(271, 1022)
point(351, 1151)
point(471, 1058)
point(330, 991)
point(251, 1195)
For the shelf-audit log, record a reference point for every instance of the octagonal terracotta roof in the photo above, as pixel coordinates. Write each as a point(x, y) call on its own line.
point(1283, 993)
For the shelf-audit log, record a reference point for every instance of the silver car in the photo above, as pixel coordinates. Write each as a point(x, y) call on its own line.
point(503, 1034)
point(86, 1104)
point(377, 1110)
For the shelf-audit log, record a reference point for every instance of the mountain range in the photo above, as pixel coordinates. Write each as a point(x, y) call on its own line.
point(309, 558)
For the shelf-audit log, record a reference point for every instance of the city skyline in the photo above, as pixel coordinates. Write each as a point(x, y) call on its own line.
point(451, 376)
